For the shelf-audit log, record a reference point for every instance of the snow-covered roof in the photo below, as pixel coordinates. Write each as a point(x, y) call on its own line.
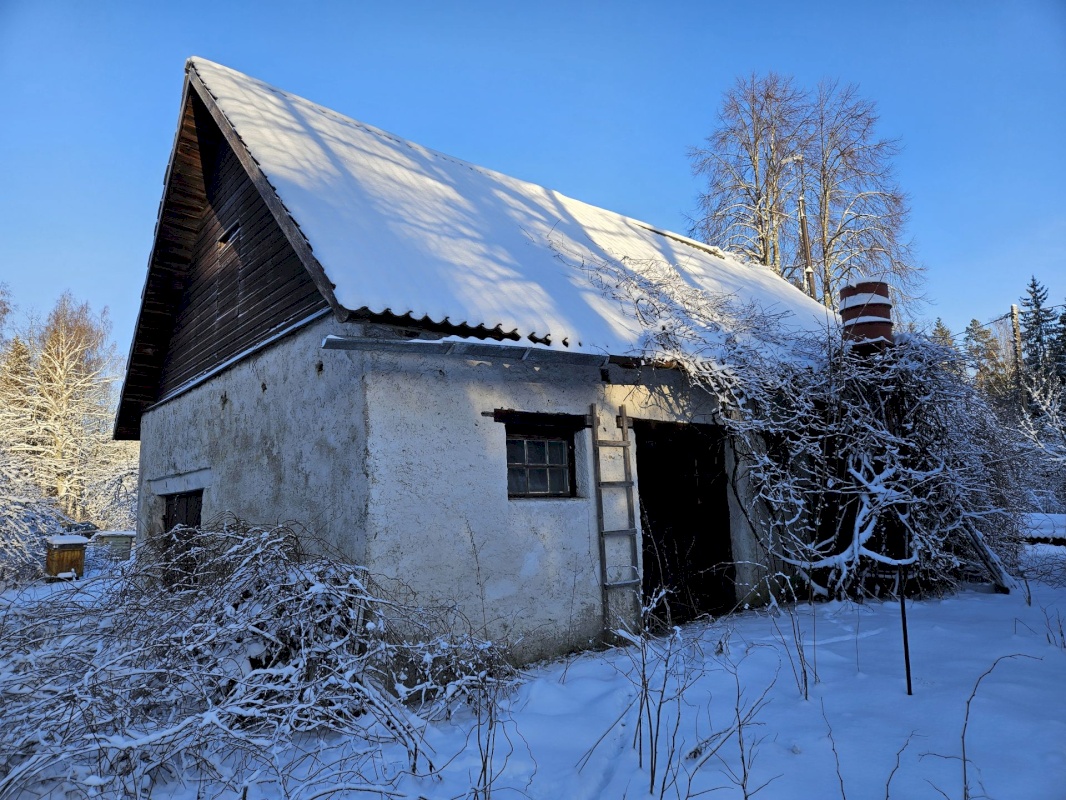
point(61, 539)
point(401, 229)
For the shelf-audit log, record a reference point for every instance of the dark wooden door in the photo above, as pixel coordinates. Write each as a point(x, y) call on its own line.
point(183, 509)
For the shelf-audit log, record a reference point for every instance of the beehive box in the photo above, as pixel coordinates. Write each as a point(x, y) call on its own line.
point(65, 557)
point(119, 544)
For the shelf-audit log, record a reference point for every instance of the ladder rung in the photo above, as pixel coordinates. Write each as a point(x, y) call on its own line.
point(622, 584)
point(616, 484)
point(612, 443)
point(620, 532)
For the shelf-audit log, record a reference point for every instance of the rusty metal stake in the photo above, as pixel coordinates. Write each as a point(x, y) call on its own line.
point(903, 621)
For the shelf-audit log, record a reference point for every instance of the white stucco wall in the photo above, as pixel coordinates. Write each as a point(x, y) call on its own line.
point(438, 511)
point(390, 459)
point(274, 439)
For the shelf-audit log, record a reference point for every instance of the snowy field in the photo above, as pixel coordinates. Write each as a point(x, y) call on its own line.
point(571, 724)
point(725, 712)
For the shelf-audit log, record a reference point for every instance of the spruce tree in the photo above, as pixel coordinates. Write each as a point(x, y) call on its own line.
point(941, 335)
point(1038, 329)
point(1058, 348)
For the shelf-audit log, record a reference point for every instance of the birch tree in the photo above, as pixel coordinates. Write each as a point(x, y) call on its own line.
point(858, 211)
point(56, 406)
point(748, 165)
point(781, 153)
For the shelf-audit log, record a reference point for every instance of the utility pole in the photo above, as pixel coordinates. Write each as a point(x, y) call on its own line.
point(805, 239)
point(1017, 329)
point(808, 269)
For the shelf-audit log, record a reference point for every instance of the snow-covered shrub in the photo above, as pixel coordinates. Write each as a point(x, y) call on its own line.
point(207, 656)
point(849, 463)
point(868, 461)
point(26, 518)
point(441, 671)
point(1043, 423)
point(111, 491)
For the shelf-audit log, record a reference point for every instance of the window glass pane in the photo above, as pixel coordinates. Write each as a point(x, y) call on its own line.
point(516, 480)
point(536, 452)
point(557, 452)
point(558, 480)
point(516, 451)
point(539, 456)
point(538, 481)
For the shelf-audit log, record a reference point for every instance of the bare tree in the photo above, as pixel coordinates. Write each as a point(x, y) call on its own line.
point(859, 212)
point(781, 153)
point(748, 163)
point(5, 307)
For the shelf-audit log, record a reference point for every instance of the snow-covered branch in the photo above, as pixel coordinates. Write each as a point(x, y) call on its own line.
point(213, 657)
point(855, 461)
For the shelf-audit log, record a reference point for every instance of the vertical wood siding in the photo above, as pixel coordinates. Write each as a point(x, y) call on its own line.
point(237, 293)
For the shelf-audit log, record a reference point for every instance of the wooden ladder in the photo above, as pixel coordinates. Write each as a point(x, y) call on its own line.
point(619, 557)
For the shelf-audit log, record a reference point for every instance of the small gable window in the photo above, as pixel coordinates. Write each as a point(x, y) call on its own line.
point(230, 236)
point(540, 453)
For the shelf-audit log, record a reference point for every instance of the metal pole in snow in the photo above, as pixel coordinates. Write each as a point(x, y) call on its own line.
point(903, 622)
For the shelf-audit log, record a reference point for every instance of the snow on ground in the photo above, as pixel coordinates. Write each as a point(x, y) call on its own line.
point(568, 727)
point(1016, 738)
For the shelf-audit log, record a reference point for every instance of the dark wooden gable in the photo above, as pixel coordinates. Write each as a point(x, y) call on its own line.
point(244, 281)
point(223, 276)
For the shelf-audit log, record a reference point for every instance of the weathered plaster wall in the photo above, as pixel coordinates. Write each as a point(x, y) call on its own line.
point(279, 437)
point(439, 518)
point(390, 459)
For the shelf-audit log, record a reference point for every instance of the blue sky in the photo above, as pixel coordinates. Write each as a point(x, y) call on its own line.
point(597, 100)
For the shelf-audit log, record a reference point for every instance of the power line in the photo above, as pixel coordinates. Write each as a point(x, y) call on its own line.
point(1001, 318)
point(981, 325)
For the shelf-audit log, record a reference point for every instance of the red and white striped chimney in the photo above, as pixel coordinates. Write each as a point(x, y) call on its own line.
point(867, 313)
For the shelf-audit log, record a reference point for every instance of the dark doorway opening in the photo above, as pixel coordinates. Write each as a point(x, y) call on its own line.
point(685, 517)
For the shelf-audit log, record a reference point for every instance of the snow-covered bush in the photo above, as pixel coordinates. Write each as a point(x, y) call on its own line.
point(871, 460)
point(1043, 423)
point(858, 462)
point(26, 517)
point(210, 655)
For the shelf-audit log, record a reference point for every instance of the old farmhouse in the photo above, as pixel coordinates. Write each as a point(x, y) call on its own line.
point(421, 361)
